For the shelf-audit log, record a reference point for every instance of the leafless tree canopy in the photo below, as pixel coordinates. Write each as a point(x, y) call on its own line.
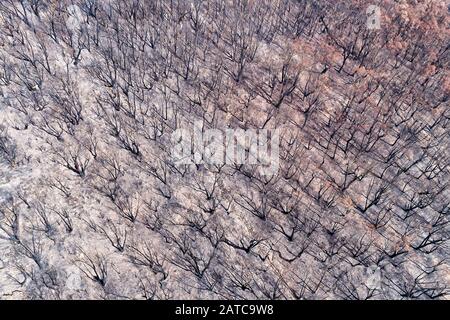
point(93, 205)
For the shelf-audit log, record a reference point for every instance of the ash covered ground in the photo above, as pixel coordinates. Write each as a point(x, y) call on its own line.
point(94, 205)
